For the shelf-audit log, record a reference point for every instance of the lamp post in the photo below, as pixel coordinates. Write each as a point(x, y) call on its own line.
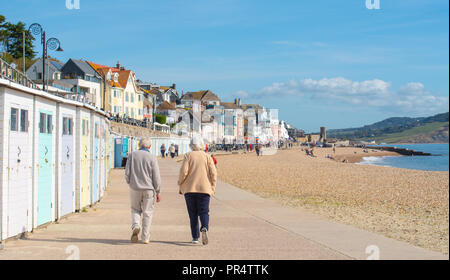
point(52, 43)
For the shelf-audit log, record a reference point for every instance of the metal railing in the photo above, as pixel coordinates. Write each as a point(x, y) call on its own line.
point(130, 121)
point(10, 73)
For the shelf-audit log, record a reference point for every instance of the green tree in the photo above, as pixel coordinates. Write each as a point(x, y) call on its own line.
point(3, 32)
point(15, 40)
point(160, 119)
point(11, 39)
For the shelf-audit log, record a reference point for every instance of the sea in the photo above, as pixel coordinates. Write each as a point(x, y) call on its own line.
point(438, 162)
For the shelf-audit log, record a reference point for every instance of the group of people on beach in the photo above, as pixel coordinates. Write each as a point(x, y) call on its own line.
point(172, 151)
point(196, 181)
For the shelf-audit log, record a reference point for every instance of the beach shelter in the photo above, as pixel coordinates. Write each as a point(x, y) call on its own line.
point(66, 159)
point(16, 152)
point(45, 160)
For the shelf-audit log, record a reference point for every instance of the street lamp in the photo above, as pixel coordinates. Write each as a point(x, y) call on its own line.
point(52, 43)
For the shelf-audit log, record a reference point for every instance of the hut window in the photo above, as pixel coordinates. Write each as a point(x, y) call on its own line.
point(14, 117)
point(70, 126)
point(24, 120)
point(42, 122)
point(96, 131)
point(85, 128)
point(67, 126)
point(49, 124)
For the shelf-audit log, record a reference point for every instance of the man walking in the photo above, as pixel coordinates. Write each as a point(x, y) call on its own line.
point(142, 175)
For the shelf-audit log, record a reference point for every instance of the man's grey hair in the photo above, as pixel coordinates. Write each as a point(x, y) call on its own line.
point(145, 143)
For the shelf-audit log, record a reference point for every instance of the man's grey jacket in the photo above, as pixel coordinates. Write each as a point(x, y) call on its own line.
point(142, 171)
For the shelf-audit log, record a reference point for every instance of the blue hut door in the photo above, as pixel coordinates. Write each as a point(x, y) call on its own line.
point(45, 157)
point(118, 143)
point(67, 166)
point(20, 168)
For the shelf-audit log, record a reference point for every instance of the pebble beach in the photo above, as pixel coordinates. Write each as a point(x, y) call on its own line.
point(407, 205)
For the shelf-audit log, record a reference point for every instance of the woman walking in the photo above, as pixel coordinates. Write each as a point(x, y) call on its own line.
point(163, 150)
point(197, 183)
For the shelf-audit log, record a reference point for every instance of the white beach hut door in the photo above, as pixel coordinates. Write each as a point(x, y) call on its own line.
point(67, 166)
point(20, 170)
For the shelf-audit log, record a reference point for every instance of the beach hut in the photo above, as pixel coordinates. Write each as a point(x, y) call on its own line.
point(125, 148)
point(44, 160)
point(118, 152)
point(95, 156)
point(83, 185)
point(16, 164)
point(102, 162)
point(66, 116)
point(111, 151)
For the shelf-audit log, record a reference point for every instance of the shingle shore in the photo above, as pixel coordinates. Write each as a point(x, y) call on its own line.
point(407, 205)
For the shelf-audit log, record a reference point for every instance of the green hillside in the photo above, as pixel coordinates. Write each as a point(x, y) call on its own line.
point(432, 129)
point(428, 133)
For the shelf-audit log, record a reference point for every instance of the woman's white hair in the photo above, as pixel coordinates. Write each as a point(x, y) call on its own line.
point(145, 143)
point(197, 143)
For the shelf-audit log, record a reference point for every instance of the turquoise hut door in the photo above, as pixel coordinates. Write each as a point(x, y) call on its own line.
point(45, 157)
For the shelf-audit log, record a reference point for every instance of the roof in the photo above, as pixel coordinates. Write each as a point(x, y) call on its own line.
point(200, 95)
point(58, 64)
point(166, 106)
point(123, 77)
point(103, 71)
point(229, 105)
point(85, 67)
point(251, 106)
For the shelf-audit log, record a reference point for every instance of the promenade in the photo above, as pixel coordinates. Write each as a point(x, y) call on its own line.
point(242, 226)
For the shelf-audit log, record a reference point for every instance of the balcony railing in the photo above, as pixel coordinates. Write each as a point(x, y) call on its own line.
point(10, 73)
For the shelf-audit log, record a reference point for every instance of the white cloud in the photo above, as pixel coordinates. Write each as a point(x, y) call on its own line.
point(241, 94)
point(290, 88)
point(412, 98)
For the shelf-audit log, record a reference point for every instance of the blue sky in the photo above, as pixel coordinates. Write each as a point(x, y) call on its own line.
point(321, 63)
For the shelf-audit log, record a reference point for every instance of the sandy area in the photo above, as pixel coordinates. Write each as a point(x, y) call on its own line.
point(407, 205)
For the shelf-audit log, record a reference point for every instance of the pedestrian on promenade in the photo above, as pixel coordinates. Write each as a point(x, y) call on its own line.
point(197, 182)
point(214, 160)
point(176, 150)
point(172, 150)
point(143, 177)
point(163, 150)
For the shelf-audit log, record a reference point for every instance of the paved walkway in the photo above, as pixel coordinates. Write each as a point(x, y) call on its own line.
point(243, 226)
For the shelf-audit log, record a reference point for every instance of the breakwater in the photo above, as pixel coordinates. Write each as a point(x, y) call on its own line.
point(401, 151)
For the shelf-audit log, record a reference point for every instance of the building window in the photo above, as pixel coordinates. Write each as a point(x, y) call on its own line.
point(126, 96)
point(14, 118)
point(132, 97)
point(24, 120)
point(132, 112)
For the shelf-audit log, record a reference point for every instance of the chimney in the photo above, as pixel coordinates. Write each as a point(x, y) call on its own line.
point(239, 102)
point(118, 65)
point(235, 101)
point(174, 86)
